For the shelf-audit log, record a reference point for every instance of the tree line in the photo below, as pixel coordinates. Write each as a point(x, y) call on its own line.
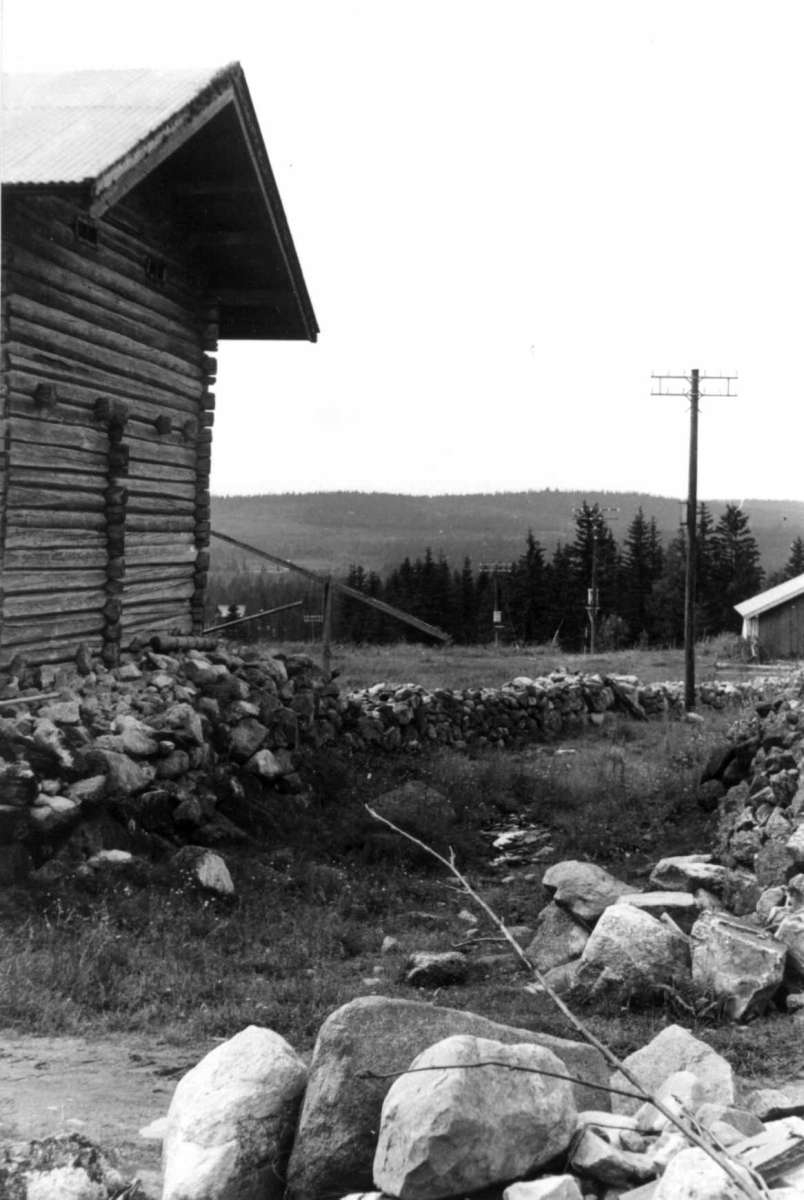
point(540, 597)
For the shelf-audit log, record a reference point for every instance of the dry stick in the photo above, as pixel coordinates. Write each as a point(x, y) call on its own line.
point(37, 699)
point(723, 1160)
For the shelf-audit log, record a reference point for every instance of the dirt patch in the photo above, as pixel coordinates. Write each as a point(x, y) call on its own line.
point(107, 1088)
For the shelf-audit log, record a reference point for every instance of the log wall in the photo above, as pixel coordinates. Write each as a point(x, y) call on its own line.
point(105, 432)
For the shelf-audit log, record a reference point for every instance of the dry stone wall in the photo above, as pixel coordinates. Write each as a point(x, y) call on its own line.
point(185, 746)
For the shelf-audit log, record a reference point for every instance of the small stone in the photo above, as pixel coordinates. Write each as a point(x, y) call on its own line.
point(595, 1158)
point(432, 969)
point(173, 765)
point(66, 712)
point(128, 672)
point(265, 764)
point(111, 858)
point(204, 868)
point(557, 939)
point(389, 945)
point(550, 1187)
point(763, 1102)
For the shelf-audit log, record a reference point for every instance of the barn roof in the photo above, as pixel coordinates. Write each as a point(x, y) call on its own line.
point(772, 597)
point(193, 136)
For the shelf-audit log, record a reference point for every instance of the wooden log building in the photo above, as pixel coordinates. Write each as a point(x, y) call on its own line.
point(140, 223)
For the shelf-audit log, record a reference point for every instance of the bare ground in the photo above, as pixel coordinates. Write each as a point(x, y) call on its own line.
point(107, 1088)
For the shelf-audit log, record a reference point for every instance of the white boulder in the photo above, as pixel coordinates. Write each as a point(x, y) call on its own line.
point(693, 1175)
point(231, 1121)
point(675, 1049)
point(462, 1127)
point(630, 952)
point(583, 889)
point(741, 967)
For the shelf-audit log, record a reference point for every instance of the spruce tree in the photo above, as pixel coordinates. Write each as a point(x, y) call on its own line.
point(665, 605)
point(641, 568)
point(736, 573)
point(562, 601)
point(795, 563)
point(527, 593)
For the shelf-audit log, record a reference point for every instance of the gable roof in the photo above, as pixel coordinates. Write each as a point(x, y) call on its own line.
point(194, 135)
point(772, 597)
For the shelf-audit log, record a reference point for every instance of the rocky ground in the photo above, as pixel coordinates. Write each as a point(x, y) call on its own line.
point(117, 767)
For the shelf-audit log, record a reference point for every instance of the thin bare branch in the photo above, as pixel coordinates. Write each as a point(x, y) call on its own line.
point(725, 1161)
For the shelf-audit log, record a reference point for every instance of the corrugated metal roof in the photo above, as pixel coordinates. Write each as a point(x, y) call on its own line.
point(69, 127)
point(772, 597)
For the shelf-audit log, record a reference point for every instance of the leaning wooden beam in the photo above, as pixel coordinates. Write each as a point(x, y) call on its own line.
point(265, 612)
point(380, 605)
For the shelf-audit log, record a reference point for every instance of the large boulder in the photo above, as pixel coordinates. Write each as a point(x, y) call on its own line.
point(230, 1122)
point(377, 1035)
point(672, 1050)
point(417, 808)
point(583, 889)
point(629, 953)
point(736, 965)
point(557, 939)
point(461, 1127)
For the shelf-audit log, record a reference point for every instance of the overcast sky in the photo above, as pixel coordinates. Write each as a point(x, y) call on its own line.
point(509, 213)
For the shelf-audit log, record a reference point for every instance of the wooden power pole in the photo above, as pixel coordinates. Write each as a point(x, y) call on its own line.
point(693, 393)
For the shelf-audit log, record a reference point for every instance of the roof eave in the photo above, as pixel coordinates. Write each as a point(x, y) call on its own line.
point(228, 86)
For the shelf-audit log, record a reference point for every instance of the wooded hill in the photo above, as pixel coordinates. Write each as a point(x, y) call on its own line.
point(328, 531)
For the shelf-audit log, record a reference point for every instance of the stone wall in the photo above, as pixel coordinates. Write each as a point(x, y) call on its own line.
point(179, 747)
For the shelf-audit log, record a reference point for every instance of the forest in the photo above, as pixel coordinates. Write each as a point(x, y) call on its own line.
point(537, 597)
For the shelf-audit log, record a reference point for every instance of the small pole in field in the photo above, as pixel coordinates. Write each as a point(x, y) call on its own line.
point(326, 632)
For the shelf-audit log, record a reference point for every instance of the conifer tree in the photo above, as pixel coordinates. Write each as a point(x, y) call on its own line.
point(527, 593)
point(795, 563)
point(562, 600)
point(735, 571)
point(641, 568)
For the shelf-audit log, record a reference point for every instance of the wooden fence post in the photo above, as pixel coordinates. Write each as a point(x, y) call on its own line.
point(326, 632)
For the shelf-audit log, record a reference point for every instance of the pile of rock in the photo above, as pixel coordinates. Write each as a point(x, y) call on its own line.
point(685, 940)
point(183, 747)
point(154, 752)
point(428, 1103)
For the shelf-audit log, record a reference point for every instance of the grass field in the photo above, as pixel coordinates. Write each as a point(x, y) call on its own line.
point(323, 885)
point(487, 666)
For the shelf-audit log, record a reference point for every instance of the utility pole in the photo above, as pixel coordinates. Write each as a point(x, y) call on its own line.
point(693, 393)
point(497, 569)
point(592, 607)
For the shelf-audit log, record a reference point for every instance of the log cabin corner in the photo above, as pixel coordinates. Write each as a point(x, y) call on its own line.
point(141, 222)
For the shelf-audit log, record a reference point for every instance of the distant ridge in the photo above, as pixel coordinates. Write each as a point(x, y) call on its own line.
point(331, 530)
